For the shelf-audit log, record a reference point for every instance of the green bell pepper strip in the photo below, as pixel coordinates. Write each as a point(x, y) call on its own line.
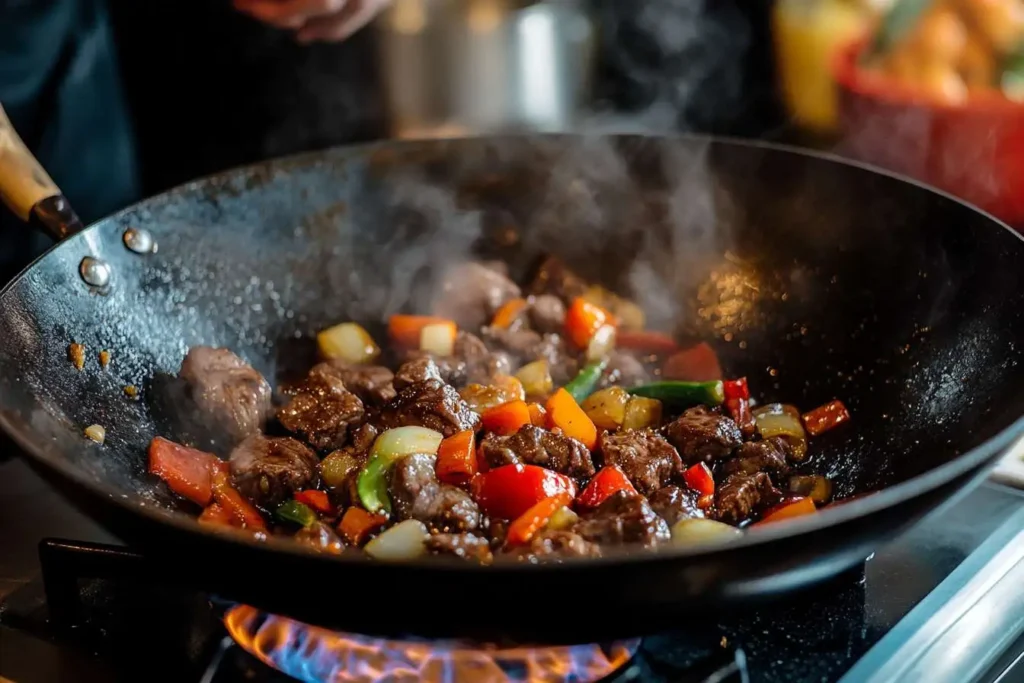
point(296, 512)
point(683, 394)
point(584, 383)
point(372, 484)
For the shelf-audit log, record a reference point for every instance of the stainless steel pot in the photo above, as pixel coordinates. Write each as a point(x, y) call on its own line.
point(455, 67)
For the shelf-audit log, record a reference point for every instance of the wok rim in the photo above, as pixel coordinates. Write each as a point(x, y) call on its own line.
point(862, 507)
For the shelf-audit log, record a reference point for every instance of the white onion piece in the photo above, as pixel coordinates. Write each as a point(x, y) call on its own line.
point(96, 433)
point(401, 441)
point(601, 344)
point(438, 339)
point(348, 342)
point(405, 541)
point(694, 531)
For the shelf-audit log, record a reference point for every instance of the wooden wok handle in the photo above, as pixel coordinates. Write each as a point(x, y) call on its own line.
point(28, 190)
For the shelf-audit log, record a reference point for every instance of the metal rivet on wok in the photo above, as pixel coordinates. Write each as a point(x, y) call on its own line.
point(94, 272)
point(140, 241)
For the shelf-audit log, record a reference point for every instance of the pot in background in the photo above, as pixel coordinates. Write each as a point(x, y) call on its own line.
point(463, 67)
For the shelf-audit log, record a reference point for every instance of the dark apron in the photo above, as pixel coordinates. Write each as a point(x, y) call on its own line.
point(59, 84)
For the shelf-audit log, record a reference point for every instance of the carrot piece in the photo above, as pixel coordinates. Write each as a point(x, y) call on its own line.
point(216, 515)
point(187, 471)
point(405, 330)
point(584, 319)
point(316, 499)
point(699, 479)
point(565, 414)
point(706, 501)
point(456, 459)
point(508, 313)
point(695, 364)
point(357, 524)
point(645, 341)
point(797, 508)
point(825, 417)
point(526, 526)
point(538, 416)
point(507, 418)
point(241, 511)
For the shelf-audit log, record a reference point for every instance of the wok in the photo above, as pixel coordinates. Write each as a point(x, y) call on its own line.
point(815, 278)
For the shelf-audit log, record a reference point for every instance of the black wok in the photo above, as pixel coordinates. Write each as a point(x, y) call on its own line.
point(815, 278)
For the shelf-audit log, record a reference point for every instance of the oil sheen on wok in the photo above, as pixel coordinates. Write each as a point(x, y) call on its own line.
point(509, 424)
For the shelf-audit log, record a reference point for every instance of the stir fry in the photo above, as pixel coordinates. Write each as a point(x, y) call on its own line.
point(511, 425)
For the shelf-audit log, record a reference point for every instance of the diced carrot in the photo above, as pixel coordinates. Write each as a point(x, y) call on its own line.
point(706, 501)
point(216, 515)
point(797, 508)
point(187, 471)
point(645, 341)
point(538, 416)
point(825, 417)
point(699, 479)
point(584, 319)
point(456, 459)
point(611, 479)
point(526, 526)
point(696, 364)
point(565, 414)
point(356, 524)
point(241, 512)
point(508, 313)
point(317, 500)
point(506, 419)
point(405, 330)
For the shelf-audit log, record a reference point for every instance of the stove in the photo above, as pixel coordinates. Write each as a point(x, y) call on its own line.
point(940, 604)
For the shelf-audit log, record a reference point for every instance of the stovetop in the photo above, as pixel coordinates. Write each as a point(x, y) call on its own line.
point(941, 603)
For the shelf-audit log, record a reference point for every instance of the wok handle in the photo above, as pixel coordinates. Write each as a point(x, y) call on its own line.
point(27, 189)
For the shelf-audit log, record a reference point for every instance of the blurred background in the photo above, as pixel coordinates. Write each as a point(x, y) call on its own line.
point(123, 99)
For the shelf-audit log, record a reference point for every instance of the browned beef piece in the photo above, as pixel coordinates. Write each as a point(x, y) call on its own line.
point(269, 470)
point(673, 504)
point(648, 460)
point(462, 546)
point(228, 392)
point(416, 370)
point(758, 456)
point(623, 518)
point(431, 404)
point(546, 313)
point(322, 411)
point(320, 537)
point(371, 383)
point(482, 364)
point(554, 277)
point(741, 496)
point(526, 346)
point(471, 293)
point(417, 494)
point(624, 369)
point(704, 435)
point(535, 446)
point(451, 369)
point(552, 546)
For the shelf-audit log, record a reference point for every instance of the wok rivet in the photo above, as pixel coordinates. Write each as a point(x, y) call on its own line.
point(94, 272)
point(140, 241)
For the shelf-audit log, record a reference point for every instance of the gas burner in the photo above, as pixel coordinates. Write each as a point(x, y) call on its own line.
point(311, 653)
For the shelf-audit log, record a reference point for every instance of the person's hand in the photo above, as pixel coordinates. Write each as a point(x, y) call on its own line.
point(312, 20)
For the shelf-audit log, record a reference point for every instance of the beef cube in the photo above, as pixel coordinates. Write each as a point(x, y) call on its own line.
point(322, 412)
point(526, 346)
point(623, 518)
point(673, 504)
point(553, 546)
point(624, 369)
point(371, 383)
point(554, 277)
point(546, 313)
point(647, 459)
point(471, 293)
point(228, 392)
point(269, 470)
point(431, 404)
point(462, 546)
point(417, 494)
point(741, 496)
point(535, 446)
point(758, 456)
point(703, 435)
point(482, 364)
point(416, 370)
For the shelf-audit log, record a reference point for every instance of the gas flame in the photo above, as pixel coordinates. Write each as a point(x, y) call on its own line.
point(318, 655)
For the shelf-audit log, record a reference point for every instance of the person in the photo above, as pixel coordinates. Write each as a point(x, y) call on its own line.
point(61, 85)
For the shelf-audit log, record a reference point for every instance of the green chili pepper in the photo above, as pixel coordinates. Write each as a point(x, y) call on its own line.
point(683, 394)
point(1012, 78)
point(897, 22)
point(372, 484)
point(296, 512)
point(583, 384)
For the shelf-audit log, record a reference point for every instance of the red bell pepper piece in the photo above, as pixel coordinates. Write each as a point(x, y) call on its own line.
point(797, 508)
point(241, 511)
point(706, 501)
point(187, 471)
point(404, 330)
point(825, 417)
point(506, 419)
point(526, 526)
point(645, 341)
point(699, 479)
point(508, 491)
point(317, 500)
point(739, 409)
point(736, 388)
point(584, 319)
point(216, 515)
point(356, 524)
point(696, 364)
point(456, 459)
point(611, 479)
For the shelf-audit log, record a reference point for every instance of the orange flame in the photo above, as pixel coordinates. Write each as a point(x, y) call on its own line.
point(317, 655)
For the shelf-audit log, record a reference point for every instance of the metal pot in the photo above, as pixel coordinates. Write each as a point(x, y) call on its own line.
point(457, 67)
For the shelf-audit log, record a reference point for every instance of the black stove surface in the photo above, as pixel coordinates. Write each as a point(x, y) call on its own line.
point(938, 581)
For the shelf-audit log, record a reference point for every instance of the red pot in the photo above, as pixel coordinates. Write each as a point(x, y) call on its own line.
point(974, 150)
